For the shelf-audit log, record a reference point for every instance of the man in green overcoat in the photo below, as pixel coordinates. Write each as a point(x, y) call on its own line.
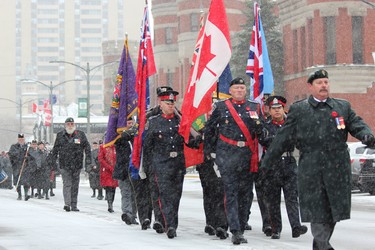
point(318, 126)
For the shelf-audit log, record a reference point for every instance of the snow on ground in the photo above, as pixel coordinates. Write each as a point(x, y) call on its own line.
point(43, 224)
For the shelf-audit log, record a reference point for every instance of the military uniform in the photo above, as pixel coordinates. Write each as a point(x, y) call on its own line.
point(283, 176)
point(94, 174)
point(320, 130)
point(233, 157)
point(17, 154)
point(163, 148)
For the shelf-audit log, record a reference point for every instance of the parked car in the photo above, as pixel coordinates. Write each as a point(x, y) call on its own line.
point(362, 165)
point(366, 179)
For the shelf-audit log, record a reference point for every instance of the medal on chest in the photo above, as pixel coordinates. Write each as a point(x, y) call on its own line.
point(339, 120)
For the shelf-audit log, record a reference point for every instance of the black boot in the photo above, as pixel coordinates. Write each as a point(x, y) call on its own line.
point(27, 196)
point(237, 238)
point(100, 194)
point(19, 193)
point(51, 193)
point(110, 206)
point(93, 193)
point(46, 193)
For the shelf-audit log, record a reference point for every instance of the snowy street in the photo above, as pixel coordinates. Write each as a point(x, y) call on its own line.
point(43, 224)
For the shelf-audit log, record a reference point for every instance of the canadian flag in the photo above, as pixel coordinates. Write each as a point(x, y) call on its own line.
point(47, 117)
point(35, 108)
point(212, 54)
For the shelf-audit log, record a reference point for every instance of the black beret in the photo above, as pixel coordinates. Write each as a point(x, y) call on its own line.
point(34, 141)
point(94, 142)
point(237, 80)
point(21, 136)
point(69, 119)
point(40, 142)
point(321, 73)
point(276, 101)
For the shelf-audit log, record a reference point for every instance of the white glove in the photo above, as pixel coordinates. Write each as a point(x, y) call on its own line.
point(216, 169)
point(213, 155)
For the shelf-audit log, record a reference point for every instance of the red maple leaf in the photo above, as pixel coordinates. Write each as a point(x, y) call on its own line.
point(205, 56)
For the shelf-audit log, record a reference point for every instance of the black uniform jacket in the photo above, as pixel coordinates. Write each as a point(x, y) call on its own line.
point(70, 149)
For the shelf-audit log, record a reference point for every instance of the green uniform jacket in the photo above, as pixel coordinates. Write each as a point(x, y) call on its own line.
point(324, 174)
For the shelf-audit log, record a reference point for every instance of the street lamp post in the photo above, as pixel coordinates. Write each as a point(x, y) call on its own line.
point(51, 87)
point(88, 71)
point(19, 105)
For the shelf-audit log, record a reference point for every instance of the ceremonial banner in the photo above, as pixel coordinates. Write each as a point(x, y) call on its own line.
point(258, 64)
point(211, 56)
point(124, 100)
point(145, 69)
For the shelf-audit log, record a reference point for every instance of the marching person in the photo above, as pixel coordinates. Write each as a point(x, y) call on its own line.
point(123, 147)
point(283, 176)
point(8, 183)
point(163, 148)
point(17, 154)
point(233, 129)
point(94, 172)
point(145, 171)
point(107, 161)
point(71, 147)
point(43, 171)
point(318, 126)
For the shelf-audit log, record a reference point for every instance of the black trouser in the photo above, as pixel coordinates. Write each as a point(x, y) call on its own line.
point(170, 191)
point(237, 197)
point(142, 199)
point(261, 198)
point(213, 196)
point(322, 233)
point(154, 193)
point(283, 178)
point(110, 193)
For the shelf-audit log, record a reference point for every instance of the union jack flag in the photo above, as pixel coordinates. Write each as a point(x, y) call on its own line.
point(258, 64)
point(145, 69)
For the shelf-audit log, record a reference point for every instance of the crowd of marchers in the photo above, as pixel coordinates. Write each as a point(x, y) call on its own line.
point(317, 189)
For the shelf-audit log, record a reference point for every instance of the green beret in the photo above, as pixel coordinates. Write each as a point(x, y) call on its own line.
point(321, 73)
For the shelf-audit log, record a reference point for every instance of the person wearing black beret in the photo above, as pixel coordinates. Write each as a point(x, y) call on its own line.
point(319, 126)
point(71, 147)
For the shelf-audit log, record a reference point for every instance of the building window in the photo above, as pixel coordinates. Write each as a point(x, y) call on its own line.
point(310, 43)
point(330, 39)
point(194, 22)
point(357, 36)
point(169, 79)
point(303, 47)
point(168, 35)
point(295, 51)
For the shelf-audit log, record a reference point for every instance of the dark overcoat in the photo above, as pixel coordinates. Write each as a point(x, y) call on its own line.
point(324, 174)
point(71, 149)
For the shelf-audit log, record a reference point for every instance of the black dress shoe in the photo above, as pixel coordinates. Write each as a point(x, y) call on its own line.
point(126, 218)
point(111, 210)
point(67, 208)
point(221, 233)
point(267, 231)
point(171, 233)
point(275, 236)
point(248, 227)
point(209, 230)
point(19, 197)
point(237, 238)
point(51, 194)
point(145, 224)
point(74, 209)
point(158, 227)
point(297, 231)
point(27, 197)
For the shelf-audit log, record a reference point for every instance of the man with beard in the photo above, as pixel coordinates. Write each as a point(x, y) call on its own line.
point(71, 146)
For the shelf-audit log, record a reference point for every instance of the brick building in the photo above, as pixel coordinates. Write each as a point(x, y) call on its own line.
point(176, 26)
point(337, 35)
